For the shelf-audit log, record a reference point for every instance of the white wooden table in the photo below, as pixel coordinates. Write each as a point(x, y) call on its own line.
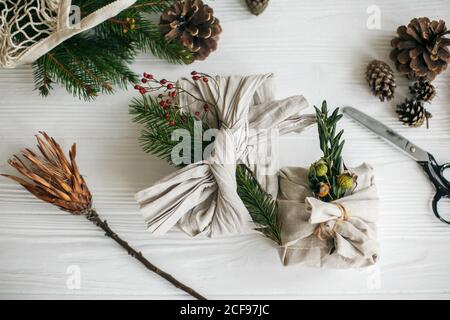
point(317, 48)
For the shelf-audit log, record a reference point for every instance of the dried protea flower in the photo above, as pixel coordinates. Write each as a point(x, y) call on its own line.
point(52, 177)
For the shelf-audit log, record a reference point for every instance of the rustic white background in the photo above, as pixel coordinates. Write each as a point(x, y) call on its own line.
point(316, 48)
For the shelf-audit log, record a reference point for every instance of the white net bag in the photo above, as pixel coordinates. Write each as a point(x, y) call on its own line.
point(31, 28)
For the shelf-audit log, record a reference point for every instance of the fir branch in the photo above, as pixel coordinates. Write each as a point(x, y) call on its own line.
point(94, 62)
point(42, 78)
point(148, 38)
point(262, 207)
point(85, 69)
point(156, 138)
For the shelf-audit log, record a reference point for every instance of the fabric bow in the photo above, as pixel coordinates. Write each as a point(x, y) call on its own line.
point(202, 197)
point(340, 234)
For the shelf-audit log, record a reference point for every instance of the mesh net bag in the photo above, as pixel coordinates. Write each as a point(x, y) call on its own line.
point(31, 28)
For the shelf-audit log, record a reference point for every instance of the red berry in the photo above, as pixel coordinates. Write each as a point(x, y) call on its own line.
point(142, 90)
point(148, 76)
point(174, 94)
point(163, 81)
point(162, 103)
point(171, 123)
point(137, 87)
point(160, 95)
point(205, 79)
point(144, 80)
point(166, 115)
point(206, 107)
point(170, 86)
point(195, 78)
point(193, 73)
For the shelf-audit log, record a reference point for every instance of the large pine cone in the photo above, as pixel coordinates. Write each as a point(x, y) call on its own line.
point(381, 80)
point(192, 24)
point(420, 50)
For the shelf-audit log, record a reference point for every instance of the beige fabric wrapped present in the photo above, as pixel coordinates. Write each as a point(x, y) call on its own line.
point(201, 197)
point(335, 235)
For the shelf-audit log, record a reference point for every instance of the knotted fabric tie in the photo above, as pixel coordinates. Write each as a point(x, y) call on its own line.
point(321, 231)
point(202, 197)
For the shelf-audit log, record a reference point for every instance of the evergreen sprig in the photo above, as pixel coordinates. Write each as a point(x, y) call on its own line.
point(331, 146)
point(97, 60)
point(262, 207)
point(156, 139)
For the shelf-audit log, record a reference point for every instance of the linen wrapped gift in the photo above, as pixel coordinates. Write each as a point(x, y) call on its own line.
point(340, 234)
point(202, 197)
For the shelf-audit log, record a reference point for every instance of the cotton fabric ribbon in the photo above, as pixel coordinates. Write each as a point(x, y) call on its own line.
point(335, 235)
point(201, 197)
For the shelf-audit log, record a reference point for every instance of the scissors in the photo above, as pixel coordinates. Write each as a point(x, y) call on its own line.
point(426, 160)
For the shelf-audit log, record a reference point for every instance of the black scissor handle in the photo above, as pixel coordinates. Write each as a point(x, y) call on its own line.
point(438, 196)
point(442, 169)
point(441, 184)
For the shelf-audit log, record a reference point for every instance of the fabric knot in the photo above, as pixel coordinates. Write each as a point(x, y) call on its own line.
point(322, 232)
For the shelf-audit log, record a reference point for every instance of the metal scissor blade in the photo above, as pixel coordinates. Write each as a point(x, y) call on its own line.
point(388, 134)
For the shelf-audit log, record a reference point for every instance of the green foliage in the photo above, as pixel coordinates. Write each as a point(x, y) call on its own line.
point(331, 146)
point(261, 206)
point(156, 139)
point(95, 61)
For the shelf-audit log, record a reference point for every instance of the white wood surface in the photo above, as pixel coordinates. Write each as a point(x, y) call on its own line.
point(316, 48)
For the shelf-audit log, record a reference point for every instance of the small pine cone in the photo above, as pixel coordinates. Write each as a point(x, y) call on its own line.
point(413, 113)
point(192, 24)
point(381, 80)
point(423, 90)
point(257, 6)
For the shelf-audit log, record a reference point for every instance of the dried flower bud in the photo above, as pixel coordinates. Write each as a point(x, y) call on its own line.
point(345, 181)
point(324, 189)
point(320, 168)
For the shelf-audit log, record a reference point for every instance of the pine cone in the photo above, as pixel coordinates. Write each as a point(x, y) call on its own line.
point(413, 113)
point(381, 80)
point(192, 24)
point(423, 91)
point(257, 6)
point(420, 50)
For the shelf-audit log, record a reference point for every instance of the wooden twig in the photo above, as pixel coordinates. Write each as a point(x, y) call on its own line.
point(95, 219)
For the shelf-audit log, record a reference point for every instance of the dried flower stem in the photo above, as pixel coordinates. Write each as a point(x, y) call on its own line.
point(55, 179)
point(92, 216)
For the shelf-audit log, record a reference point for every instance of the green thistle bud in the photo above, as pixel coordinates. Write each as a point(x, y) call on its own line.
point(320, 168)
point(345, 181)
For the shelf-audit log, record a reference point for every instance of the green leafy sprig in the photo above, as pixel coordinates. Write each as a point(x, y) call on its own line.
point(327, 178)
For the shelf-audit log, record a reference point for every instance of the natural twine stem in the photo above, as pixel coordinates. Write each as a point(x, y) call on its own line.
point(92, 216)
